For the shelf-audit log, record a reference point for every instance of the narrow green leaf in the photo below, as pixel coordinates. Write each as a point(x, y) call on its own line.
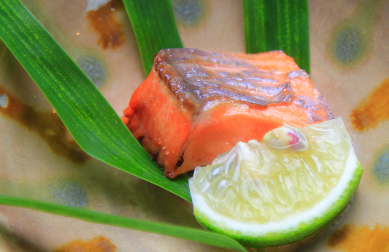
point(192, 234)
point(154, 27)
point(278, 25)
point(90, 119)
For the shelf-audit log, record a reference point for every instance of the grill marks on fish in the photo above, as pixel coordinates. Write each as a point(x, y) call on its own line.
point(312, 107)
point(194, 76)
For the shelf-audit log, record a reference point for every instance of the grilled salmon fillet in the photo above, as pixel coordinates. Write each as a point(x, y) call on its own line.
point(195, 105)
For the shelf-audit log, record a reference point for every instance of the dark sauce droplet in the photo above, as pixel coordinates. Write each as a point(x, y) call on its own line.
point(99, 243)
point(373, 109)
point(351, 238)
point(46, 124)
point(338, 236)
point(103, 22)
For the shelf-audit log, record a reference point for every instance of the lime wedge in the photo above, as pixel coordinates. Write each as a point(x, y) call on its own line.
point(281, 190)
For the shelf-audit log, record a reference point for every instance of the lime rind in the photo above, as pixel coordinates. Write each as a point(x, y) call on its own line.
point(288, 230)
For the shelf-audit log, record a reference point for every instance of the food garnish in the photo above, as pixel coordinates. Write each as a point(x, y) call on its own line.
point(280, 190)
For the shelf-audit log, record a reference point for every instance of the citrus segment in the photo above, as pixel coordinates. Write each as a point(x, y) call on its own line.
point(280, 190)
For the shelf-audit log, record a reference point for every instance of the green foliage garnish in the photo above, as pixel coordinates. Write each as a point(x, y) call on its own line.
point(278, 25)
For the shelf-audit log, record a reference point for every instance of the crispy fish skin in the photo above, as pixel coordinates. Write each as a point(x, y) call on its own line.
point(195, 105)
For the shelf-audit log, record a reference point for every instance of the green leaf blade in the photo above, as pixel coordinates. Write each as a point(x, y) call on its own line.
point(278, 25)
point(192, 234)
point(154, 27)
point(90, 119)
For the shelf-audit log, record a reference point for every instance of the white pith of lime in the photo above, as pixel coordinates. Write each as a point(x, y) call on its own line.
point(292, 228)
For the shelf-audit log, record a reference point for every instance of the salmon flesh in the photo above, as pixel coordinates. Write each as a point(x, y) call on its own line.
point(195, 105)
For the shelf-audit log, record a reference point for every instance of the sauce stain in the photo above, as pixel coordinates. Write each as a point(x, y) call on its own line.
point(188, 12)
point(97, 244)
point(351, 238)
point(349, 44)
point(380, 169)
point(372, 110)
point(104, 23)
point(94, 69)
point(47, 124)
point(69, 193)
point(351, 38)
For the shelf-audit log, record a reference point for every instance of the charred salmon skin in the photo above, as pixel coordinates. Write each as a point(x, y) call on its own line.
point(195, 105)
